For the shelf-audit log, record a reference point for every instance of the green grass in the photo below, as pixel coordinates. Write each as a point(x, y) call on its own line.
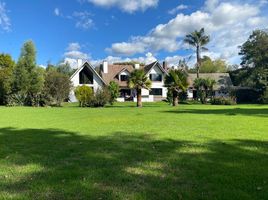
point(121, 152)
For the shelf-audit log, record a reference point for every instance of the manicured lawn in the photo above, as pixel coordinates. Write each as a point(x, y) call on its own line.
point(121, 152)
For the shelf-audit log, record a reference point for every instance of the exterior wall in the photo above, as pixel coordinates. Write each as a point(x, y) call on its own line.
point(156, 84)
point(97, 83)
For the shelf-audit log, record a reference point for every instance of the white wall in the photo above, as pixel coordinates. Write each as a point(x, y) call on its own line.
point(97, 83)
point(158, 84)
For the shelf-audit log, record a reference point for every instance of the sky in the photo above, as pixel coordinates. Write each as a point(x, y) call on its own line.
point(124, 30)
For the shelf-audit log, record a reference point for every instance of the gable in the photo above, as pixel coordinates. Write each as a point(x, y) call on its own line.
point(89, 70)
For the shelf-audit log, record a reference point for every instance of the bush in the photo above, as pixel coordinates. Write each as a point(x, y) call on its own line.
point(84, 95)
point(246, 95)
point(100, 98)
point(17, 99)
point(114, 91)
point(223, 101)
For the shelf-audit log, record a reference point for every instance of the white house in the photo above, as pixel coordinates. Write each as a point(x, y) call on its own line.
point(85, 75)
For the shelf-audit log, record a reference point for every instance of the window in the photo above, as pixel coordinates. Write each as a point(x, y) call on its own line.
point(86, 76)
point(156, 91)
point(156, 77)
point(124, 77)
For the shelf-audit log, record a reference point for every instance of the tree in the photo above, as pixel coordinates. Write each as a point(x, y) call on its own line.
point(65, 68)
point(114, 91)
point(198, 40)
point(28, 79)
point(176, 81)
point(139, 80)
point(204, 87)
point(6, 71)
point(254, 54)
point(213, 66)
point(57, 87)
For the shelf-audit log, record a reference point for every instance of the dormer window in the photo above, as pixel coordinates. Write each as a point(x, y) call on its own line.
point(156, 77)
point(124, 77)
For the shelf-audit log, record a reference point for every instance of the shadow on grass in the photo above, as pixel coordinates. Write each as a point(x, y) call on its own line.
point(55, 164)
point(262, 112)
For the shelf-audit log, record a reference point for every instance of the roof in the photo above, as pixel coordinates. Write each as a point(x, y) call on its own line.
point(87, 64)
point(114, 70)
point(223, 80)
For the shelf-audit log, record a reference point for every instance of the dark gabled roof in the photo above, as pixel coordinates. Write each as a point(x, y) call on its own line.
point(114, 70)
point(87, 64)
point(148, 68)
point(223, 80)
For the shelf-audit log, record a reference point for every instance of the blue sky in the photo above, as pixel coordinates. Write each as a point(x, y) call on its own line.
point(118, 30)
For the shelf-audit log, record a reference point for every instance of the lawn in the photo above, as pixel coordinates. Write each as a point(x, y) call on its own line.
point(122, 152)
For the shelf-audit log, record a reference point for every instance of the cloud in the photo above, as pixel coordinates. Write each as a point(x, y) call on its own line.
point(129, 6)
point(57, 11)
point(82, 19)
point(176, 9)
point(229, 23)
point(5, 22)
point(73, 53)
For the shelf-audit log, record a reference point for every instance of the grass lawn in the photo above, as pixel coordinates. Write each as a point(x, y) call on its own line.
point(121, 152)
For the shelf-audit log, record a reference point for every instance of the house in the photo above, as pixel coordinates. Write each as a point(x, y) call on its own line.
point(221, 88)
point(87, 75)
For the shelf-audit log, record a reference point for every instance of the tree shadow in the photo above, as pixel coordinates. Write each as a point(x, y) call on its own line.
point(259, 112)
point(55, 164)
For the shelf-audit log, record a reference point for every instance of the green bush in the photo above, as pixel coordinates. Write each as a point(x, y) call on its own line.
point(223, 101)
point(84, 95)
point(100, 98)
point(114, 91)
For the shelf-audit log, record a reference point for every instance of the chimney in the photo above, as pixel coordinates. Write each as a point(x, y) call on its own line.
point(137, 66)
point(165, 65)
point(79, 63)
point(105, 67)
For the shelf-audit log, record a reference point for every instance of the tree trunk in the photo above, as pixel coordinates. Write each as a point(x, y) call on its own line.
point(175, 98)
point(139, 103)
point(198, 60)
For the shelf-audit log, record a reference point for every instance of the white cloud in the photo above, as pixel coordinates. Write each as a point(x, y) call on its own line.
point(5, 22)
point(82, 20)
point(228, 23)
point(73, 53)
point(57, 11)
point(129, 6)
point(176, 9)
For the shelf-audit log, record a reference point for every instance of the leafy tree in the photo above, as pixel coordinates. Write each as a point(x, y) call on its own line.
point(204, 87)
point(114, 91)
point(176, 82)
point(65, 68)
point(83, 94)
point(198, 40)
point(213, 66)
point(139, 80)
point(6, 71)
point(254, 54)
point(28, 78)
point(57, 87)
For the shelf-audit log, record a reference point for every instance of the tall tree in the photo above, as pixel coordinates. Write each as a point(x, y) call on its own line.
point(198, 40)
point(254, 54)
point(28, 78)
point(6, 71)
point(139, 80)
point(176, 81)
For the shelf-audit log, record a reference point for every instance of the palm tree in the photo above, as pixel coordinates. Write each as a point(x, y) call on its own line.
point(139, 80)
point(176, 81)
point(204, 87)
point(198, 39)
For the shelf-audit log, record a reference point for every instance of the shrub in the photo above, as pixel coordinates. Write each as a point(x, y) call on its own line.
point(114, 91)
point(84, 95)
point(246, 95)
point(223, 101)
point(100, 98)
